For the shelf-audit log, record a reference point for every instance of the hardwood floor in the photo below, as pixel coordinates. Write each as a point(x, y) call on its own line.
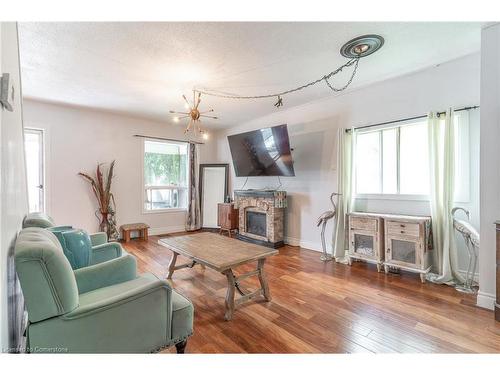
point(329, 308)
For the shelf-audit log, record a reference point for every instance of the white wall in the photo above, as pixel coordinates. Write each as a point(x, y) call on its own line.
point(14, 198)
point(490, 161)
point(313, 128)
point(76, 140)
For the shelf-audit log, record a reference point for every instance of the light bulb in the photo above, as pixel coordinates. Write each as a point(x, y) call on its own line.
point(205, 136)
point(186, 105)
point(176, 119)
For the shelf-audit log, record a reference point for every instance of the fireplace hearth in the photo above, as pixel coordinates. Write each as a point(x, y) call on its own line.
point(261, 216)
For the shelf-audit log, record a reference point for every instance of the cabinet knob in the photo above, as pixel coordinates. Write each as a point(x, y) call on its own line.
point(402, 231)
point(388, 250)
point(402, 225)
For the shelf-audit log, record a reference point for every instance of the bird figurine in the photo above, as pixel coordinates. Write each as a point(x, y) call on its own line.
point(323, 220)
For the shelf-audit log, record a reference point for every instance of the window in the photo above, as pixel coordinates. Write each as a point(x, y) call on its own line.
point(396, 160)
point(33, 146)
point(165, 175)
point(393, 160)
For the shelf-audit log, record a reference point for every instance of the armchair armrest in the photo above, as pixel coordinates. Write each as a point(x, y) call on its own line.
point(98, 238)
point(143, 285)
point(107, 273)
point(105, 252)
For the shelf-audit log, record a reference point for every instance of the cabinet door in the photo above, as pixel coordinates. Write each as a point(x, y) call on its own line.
point(364, 244)
point(222, 215)
point(403, 251)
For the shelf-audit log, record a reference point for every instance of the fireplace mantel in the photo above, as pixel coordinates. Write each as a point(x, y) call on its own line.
point(272, 203)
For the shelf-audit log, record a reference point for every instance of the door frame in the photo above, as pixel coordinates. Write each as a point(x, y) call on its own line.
point(200, 182)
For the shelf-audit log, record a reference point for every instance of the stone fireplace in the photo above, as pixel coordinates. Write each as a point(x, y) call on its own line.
point(261, 216)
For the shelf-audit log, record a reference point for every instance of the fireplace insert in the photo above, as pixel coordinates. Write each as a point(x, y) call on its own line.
point(256, 223)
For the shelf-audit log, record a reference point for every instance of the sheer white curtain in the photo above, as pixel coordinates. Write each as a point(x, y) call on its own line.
point(193, 219)
point(442, 189)
point(344, 187)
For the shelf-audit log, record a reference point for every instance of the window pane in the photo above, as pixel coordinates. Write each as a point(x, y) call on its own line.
point(368, 163)
point(33, 144)
point(160, 199)
point(165, 175)
point(413, 159)
point(390, 161)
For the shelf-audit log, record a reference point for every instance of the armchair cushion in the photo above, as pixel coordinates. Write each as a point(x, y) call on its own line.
point(77, 247)
point(107, 273)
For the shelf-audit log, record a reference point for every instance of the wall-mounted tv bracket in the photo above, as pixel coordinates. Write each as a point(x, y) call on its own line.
point(6, 87)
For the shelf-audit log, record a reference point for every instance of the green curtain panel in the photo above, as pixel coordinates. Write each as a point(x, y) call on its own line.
point(442, 189)
point(344, 187)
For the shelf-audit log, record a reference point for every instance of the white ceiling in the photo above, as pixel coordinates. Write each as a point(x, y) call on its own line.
point(144, 68)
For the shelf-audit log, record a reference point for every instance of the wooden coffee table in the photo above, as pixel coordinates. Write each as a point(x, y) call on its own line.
point(222, 254)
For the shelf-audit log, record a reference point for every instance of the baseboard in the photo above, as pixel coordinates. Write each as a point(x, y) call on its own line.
point(486, 300)
point(167, 230)
point(160, 230)
point(309, 245)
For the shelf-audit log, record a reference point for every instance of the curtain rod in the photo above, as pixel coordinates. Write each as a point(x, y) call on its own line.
point(410, 118)
point(168, 139)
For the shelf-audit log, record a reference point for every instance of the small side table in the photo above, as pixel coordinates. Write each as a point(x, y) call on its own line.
point(142, 228)
point(227, 217)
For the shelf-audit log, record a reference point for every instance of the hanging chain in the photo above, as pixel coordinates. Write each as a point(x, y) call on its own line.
point(325, 78)
point(348, 82)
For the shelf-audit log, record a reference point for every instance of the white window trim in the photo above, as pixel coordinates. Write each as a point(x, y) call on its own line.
point(393, 197)
point(382, 196)
point(143, 186)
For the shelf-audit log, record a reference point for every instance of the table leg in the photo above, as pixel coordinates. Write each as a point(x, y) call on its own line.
point(229, 294)
point(171, 265)
point(263, 279)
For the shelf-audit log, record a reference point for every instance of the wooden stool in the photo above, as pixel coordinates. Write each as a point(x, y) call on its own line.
point(141, 227)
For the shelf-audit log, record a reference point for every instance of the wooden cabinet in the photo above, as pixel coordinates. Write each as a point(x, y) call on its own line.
point(407, 243)
point(227, 217)
point(366, 238)
point(397, 241)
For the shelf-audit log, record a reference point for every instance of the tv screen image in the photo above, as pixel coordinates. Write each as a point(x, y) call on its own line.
point(263, 152)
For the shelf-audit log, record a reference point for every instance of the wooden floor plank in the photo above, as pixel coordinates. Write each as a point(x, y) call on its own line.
point(326, 307)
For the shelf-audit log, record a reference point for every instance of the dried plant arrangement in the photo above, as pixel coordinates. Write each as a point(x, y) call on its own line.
point(101, 187)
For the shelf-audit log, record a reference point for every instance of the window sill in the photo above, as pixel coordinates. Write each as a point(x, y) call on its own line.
point(164, 210)
point(393, 197)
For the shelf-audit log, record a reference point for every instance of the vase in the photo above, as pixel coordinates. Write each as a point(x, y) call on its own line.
point(108, 225)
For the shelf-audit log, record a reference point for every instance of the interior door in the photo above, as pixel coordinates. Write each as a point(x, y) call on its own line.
point(34, 148)
point(213, 190)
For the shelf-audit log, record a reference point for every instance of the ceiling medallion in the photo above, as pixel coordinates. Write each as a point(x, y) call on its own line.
point(362, 46)
point(194, 115)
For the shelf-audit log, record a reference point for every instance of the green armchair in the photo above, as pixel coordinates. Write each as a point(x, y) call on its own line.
point(78, 247)
point(103, 308)
point(42, 220)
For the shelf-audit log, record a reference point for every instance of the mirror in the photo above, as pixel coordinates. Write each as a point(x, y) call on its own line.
point(213, 190)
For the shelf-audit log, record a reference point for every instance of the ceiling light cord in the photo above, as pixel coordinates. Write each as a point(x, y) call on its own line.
point(325, 78)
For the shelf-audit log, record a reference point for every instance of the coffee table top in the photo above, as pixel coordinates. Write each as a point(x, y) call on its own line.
point(216, 251)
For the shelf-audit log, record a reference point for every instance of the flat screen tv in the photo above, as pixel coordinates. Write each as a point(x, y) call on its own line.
point(263, 152)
